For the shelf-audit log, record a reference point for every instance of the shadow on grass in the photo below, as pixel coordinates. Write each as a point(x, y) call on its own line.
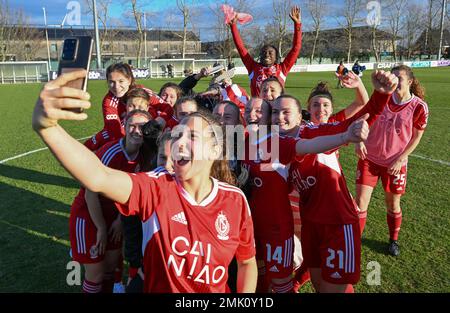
point(36, 177)
point(375, 245)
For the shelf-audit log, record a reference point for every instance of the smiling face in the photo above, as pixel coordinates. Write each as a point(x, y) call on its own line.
point(194, 148)
point(271, 90)
point(286, 114)
point(136, 103)
point(133, 130)
point(118, 84)
point(268, 56)
point(320, 109)
point(227, 114)
point(257, 112)
point(404, 83)
point(169, 95)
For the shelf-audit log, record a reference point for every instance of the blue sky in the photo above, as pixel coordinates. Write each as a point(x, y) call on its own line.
point(163, 12)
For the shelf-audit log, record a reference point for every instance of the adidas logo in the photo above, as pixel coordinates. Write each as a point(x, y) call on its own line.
point(274, 269)
point(336, 275)
point(180, 218)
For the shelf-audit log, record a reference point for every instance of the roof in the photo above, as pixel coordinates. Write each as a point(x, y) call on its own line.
point(58, 33)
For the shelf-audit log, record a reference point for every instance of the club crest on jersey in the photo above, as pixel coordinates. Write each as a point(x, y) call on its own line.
point(222, 226)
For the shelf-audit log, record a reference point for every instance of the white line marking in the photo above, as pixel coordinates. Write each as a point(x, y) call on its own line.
point(431, 160)
point(30, 152)
point(41, 149)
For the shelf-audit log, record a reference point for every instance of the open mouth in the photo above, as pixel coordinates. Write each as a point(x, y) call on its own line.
point(183, 160)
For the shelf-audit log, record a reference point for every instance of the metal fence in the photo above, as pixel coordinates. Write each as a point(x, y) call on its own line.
point(23, 72)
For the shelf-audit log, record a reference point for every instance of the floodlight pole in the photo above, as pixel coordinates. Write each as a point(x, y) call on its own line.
point(97, 41)
point(444, 3)
point(46, 38)
point(145, 40)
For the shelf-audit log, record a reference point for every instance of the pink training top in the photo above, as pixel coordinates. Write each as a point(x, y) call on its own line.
point(393, 130)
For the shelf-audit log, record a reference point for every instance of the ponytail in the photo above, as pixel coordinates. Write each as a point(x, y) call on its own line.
point(416, 88)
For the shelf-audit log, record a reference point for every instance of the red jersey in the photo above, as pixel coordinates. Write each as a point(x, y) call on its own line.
point(324, 196)
point(113, 155)
point(269, 188)
point(188, 245)
point(257, 73)
point(114, 113)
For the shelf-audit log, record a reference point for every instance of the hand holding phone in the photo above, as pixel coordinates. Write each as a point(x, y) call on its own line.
point(76, 55)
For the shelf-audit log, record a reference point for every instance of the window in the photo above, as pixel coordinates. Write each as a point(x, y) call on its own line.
point(125, 48)
point(53, 47)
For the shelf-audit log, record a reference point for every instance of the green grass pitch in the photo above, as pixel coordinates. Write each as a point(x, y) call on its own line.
point(36, 193)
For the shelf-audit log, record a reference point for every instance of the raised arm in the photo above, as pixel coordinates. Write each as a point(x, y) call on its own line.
point(292, 56)
point(353, 81)
point(82, 164)
point(243, 52)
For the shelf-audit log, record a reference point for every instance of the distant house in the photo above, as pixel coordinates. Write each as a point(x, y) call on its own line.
point(428, 42)
point(117, 44)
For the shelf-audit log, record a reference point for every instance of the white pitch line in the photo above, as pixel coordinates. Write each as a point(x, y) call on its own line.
point(431, 160)
point(41, 149)
point(30, 152)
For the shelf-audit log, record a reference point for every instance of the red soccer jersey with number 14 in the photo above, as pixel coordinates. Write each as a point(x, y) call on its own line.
point(187, 245)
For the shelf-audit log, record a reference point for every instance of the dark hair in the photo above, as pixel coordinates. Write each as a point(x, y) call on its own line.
point(322, 90)
point(183, 100)
point(297, 102)
point(174, 86)
point(416, 88)
point(265, 47)
point(235, 109)
point(166, 135)
point(137, 93)
point(122, 68)
point(273, 79)
point(220, 168)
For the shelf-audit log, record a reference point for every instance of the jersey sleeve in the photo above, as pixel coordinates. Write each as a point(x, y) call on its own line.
point(246, 247)
point(243, 52)
point(157, 106)
point(292, 56)
point(287, 150)
point(111, 118)
point(144, 196)
point(337, 117)
point(420, 117)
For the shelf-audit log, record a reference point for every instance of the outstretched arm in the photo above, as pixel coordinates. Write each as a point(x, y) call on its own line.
point(243, 52)
point(292, 56)
point(82, 164)
point(353, 81)
point(356, 132)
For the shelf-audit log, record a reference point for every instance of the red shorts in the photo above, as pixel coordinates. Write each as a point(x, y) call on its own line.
point(277, 256)
point(367, 173)
point(83, 237)
point(335, 249)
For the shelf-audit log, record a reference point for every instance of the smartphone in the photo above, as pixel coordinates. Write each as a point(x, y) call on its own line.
point(76, 54)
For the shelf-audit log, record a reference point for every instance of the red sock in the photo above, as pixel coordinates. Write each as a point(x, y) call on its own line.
point(349, 289)
point(394, 221)
point(362, 220)
point(108, 283)
point(90, 287)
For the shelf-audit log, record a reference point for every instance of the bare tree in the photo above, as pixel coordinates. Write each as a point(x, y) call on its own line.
point(185, 9)
point(7, 31)
point(395, 19)
point(138, 14)
point(104, 17)
point(350, 13)
point(281, 9)
point(414, 16)
point(318, 11)
point(25, 43)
